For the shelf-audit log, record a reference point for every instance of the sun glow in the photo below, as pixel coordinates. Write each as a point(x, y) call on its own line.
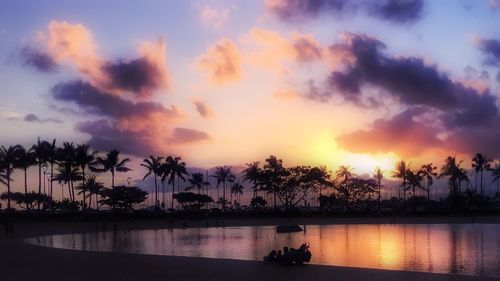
point(325, 151)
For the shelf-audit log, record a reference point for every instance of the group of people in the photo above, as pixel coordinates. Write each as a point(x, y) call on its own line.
point(290, 256)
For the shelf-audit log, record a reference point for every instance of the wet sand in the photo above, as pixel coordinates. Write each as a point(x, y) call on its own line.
point(20, 261)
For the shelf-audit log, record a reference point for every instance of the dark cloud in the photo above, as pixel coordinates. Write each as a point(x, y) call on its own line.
point(30, 117)
point(296, 10)
point(106, 135)
point(203, 109)
point(411, 81)
point(403, 134)
point(184, 135)
point(470, 140)
point(138, 76)
point(491, 49)
point(139, 128)
point(40, 61)
point(95, 101)
point(399, 11)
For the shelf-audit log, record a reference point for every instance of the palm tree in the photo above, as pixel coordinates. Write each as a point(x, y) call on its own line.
point(51, 158)
point(455, 174)
point(414, 179)
point(252, 173)
point(173, 168)
point(481, 162)
point(24, 160)
point(66, 156)
point(94, 187)
point(237, 190)
point(197, 181)
point(111, 162)
point(223, 174)
point(68, 174)
point(378, 175)
point(429, 173)
point(84, 158)
point(495, 172)
point(400, 173)
point(273, 175)
point(40, 150)
point(8, 160)
point(153, 165)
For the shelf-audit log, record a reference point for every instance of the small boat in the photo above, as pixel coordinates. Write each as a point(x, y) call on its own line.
point(288, 228)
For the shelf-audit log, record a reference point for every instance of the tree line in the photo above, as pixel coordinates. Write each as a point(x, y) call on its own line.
point(74, 167)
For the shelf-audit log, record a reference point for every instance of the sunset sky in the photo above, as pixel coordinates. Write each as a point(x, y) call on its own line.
point(321, 82)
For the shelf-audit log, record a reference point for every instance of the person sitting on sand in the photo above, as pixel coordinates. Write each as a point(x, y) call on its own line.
point(279, 257)
point(271, 257)
point(302, 254)
point(287, 258)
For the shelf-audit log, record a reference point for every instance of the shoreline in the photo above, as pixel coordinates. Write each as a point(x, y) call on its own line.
point(22, 261)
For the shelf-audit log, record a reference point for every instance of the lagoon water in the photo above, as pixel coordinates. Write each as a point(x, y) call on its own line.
point(472, 249)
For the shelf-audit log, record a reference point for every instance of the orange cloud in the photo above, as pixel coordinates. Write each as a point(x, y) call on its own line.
point(156, 54)
point(74, 43)
point(221, 62)
point(273, 51)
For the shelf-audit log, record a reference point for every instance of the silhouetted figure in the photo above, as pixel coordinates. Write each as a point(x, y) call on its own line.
point(291, 256)
point(279, 257)
point(271, 257)
point(287, 257)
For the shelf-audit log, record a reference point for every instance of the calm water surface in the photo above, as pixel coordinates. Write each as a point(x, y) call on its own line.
point(472, 249)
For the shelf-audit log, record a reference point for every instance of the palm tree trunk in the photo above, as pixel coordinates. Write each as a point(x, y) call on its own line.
point(84, 187)
point(26, 186)
point(8, 188)
point(156, 191)
point(224, 195)
point(173, 193)
point(51, 175)
point(482, 198)
point(112, 179)
point(69, 191)
point(39, 181)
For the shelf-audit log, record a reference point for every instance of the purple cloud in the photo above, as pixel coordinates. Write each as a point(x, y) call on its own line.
point(40, 61)
point(398, 11)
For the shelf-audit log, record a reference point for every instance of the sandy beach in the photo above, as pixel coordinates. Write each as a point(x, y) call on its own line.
point(21, 261)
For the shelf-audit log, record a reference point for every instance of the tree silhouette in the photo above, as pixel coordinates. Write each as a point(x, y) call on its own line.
point(24, 160)
point(8, 159)
point(66, 159)
point(378, 175)
point(272, 176)
point(237, 190)
point(111, 162)
point(40, 150)
point(93, 187)
point(197, 181)
point(480, 163)
point(414, 179)
point(173, 168)
point(84, 158)
point(223, 174)
point(429, 173)
point(455, 174)
point(400, 173)
point(51, 158)
point(253, 174)
point(153, 165)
